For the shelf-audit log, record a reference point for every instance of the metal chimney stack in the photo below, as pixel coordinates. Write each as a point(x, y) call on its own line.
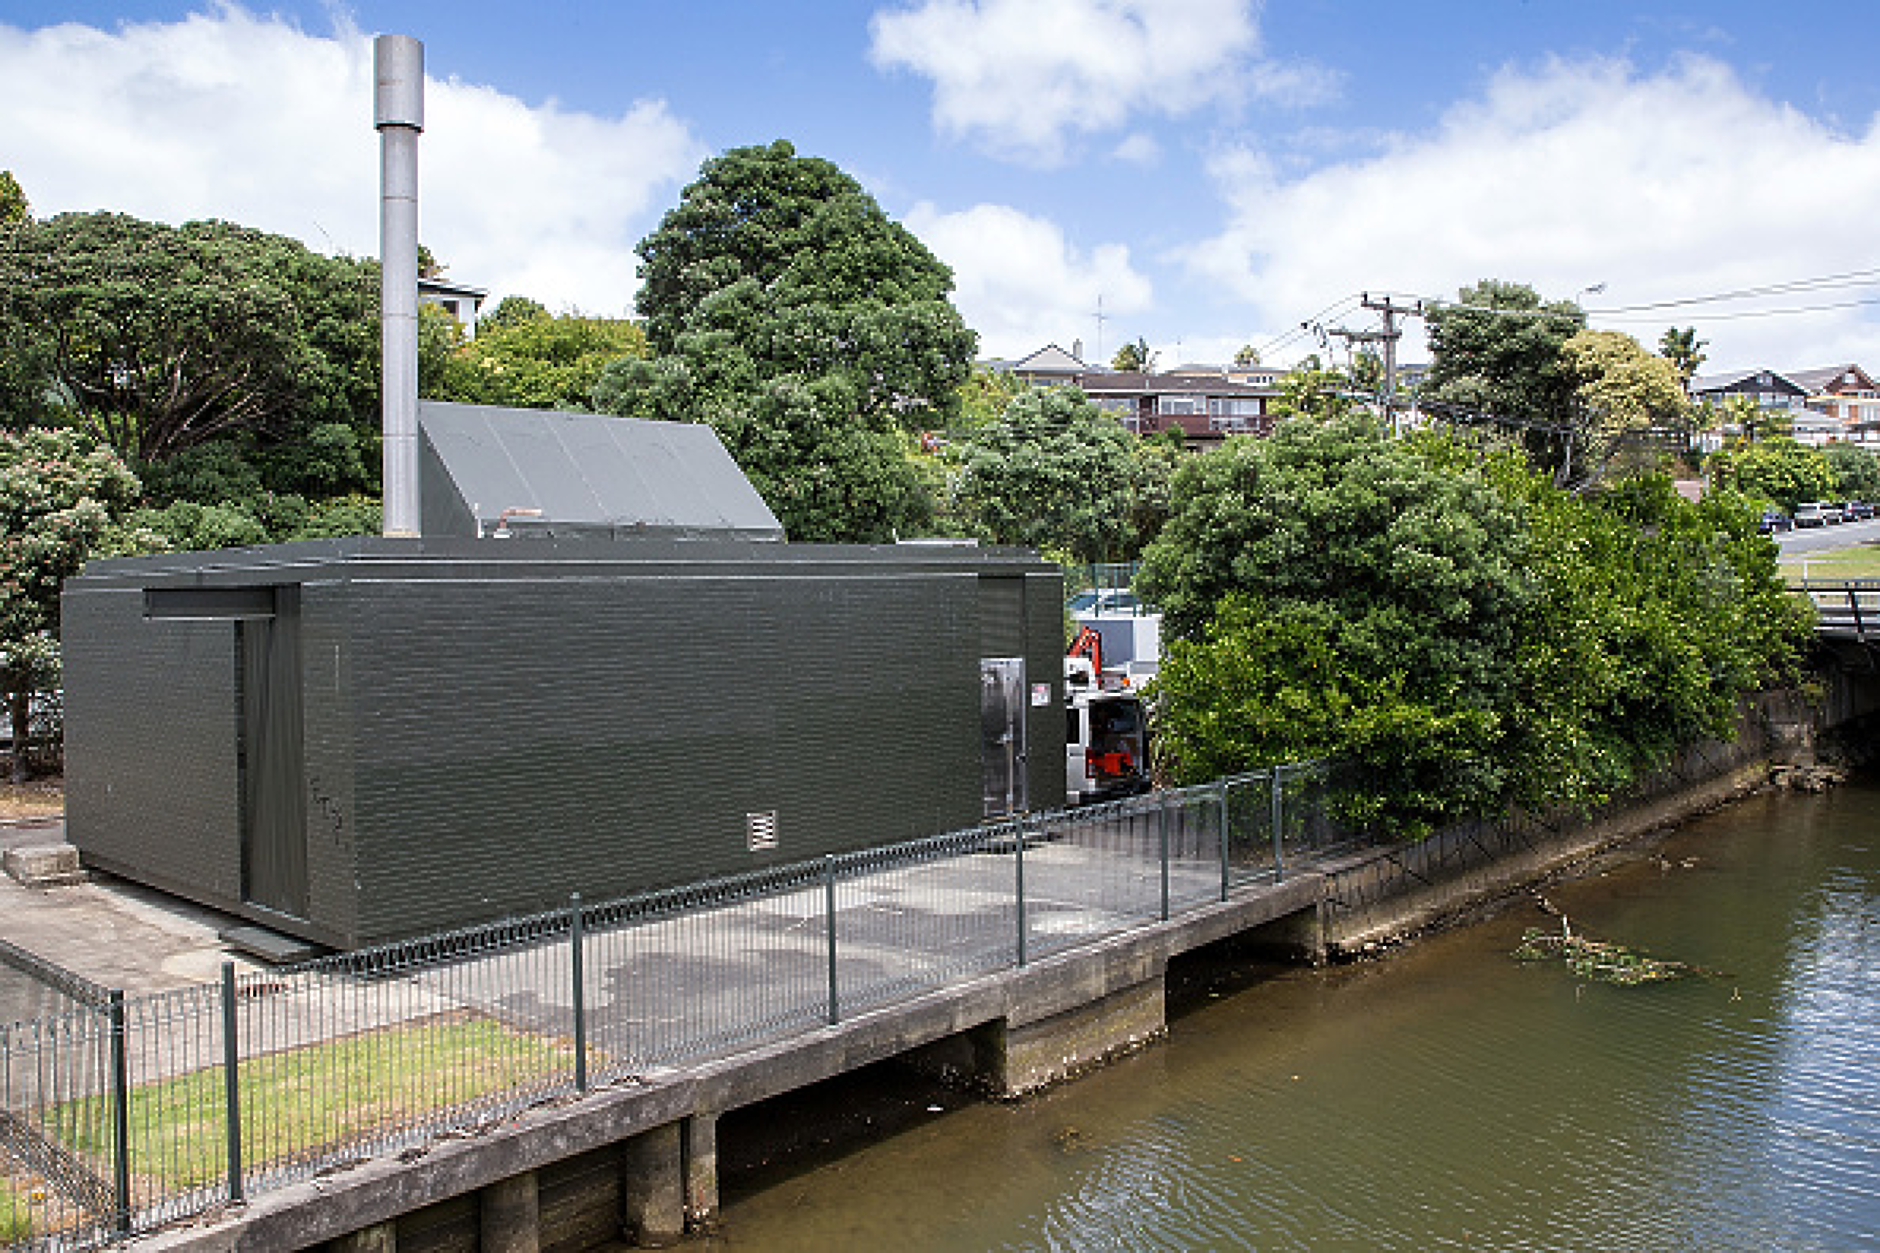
point(398, 115)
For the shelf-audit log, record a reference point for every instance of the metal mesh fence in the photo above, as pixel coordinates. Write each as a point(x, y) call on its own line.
point(123, 1114)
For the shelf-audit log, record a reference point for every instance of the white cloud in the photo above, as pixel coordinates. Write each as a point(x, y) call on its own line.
point(232, 115)
point(1021, 77)
point(1679, 183)
point(1138, 148)
point(1021, 284)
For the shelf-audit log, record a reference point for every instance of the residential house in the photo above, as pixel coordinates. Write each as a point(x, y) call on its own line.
point(460, 301)
point(1771, 391)
point(1206, 407)
point(1847, 397)
point(1206, 403)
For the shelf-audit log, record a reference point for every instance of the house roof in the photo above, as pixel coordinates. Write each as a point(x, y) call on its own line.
point(1823, 378)
point(485, 466)
point(1703, 383)
point(1047, 360)
point(1114, 382)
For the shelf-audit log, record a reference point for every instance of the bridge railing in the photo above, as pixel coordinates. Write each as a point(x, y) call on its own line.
point(130, 1112)
point(1844, 608)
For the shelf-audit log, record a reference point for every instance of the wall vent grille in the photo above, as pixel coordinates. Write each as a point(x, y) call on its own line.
point(761, 830)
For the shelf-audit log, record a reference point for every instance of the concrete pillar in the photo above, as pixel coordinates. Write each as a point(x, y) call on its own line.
point(1297, 937)
point(701, 1172)
point(652, 1187)
point(1037, 1054)
point(509, 1218)
point(382, 1238)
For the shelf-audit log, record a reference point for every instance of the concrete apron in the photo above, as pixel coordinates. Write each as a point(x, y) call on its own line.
point(1011, 1032)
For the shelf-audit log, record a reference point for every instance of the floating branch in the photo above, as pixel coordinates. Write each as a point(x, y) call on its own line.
point(1597, 959)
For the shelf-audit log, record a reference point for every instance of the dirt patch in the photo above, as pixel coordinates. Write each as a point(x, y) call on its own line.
point(37, 798)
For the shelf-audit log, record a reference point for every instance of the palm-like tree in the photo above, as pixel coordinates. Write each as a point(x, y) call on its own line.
point(1684, 351)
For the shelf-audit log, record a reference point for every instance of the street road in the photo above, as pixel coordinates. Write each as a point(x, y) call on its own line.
point(1821, 539)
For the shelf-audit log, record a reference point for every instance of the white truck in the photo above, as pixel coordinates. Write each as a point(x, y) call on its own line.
point(1106, 737)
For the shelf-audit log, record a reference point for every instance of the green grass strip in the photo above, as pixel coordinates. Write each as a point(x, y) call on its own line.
point(304, 1100)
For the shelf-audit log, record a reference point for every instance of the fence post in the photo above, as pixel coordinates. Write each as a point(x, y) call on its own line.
point(120, 1113)
point(1224, 872)
point(829, 912)
point(1279, 816)
point(231, 1082)
point(1018, 865)
point(580, 992)
point(1853, 602)
point(1161, 836)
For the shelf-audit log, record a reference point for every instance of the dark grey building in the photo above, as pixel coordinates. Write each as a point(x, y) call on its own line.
point(358, 740)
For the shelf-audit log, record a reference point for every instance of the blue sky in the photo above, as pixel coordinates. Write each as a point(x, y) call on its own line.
point(1214, 172)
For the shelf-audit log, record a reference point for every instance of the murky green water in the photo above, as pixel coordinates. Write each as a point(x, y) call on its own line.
point(1450, 1097)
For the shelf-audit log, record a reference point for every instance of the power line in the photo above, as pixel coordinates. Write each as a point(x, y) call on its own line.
point(1758, 313)
point(1850, 278)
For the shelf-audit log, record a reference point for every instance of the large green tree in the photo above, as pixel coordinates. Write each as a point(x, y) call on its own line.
point(161, 338)
point(1448, 621)
point(1054, 472)
point(1497, 356)
point(1370, 583)
point(777, 291)
point(62, 501)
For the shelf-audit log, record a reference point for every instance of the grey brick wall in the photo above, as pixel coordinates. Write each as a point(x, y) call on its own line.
point(491, 728)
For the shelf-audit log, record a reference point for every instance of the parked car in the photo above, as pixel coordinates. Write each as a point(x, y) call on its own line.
point(1772, 521)
point(1856, 510)
point(1816, 513)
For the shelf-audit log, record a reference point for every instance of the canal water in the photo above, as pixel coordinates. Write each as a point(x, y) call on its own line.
point(1446, 1097)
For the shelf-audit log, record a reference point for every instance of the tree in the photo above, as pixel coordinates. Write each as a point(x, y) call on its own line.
point(1496, 355)
point(510, 310)
point(1054, 472)
point(158, 338)
point(1247, 357)
point(1367, 372)
point(535, 360)
point(1446, 620)
point(1774, 469)
point(1856, 471)
point(985, 394)
point(13, 207)
point(1370, 583)
point(778, 291)
point(1684, 351)
point(1134, 358)
point(1625, 393)
point(1752, 421)
point(62, 501)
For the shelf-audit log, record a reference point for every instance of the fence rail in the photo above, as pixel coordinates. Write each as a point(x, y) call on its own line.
point(1844, 608)
point(122, 1113)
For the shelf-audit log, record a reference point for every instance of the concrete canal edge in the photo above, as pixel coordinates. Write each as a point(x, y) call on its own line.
point(639, 1158)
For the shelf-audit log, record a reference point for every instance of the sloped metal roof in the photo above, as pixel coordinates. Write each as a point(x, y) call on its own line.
point(484, 467)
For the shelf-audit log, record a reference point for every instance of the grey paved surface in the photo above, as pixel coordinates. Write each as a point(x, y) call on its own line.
point(114, 933)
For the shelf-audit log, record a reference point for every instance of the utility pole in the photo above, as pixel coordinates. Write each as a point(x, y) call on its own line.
point(1390, 335)
point(1100, 321)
